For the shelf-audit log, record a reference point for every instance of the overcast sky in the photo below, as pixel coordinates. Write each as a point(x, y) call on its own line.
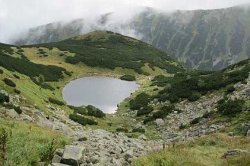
point(18, 15)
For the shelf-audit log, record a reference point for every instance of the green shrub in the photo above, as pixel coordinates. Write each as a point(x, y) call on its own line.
point(1, 71)
point(40, 82)
point(144, 111)
point(17, 91)
point(230, 89)
point(47, 152)
point(4, 97)
point(79, 110)
point(3, 145)
point(68, 73)
point(230, 107)
point(121, 129)
point(93, 111)
point(194, 96)
point(148, 119)
point(89, 110)
point(23, 66)
point(195, 121)
point(55, 101)
point(9, 82)
point(140, 101)
point(139, 130)
point(16, 76)
point(128, 78)
point(165, 110)
point(82, 120)
point(18, 109)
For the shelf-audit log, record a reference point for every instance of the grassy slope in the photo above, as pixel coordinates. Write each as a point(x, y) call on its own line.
point(204, 151)
point(26, 141)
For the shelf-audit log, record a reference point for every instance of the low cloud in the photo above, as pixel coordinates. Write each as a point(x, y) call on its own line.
point(19, 15)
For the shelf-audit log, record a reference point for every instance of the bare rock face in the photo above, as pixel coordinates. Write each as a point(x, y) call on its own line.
point(72, 155)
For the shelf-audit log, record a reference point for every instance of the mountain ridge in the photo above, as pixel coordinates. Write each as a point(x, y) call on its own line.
point(203, 39)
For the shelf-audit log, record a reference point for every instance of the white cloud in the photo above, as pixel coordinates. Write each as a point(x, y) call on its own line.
point(18, 15)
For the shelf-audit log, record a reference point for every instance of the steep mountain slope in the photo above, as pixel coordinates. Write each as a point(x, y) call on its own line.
point(51, 32)
point(202, 39)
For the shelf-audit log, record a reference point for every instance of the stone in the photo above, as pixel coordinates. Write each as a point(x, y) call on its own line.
point(94, 159)
point(26, 118)
point(56, 159)
point(59, 152)
point(159, 122)
point(59, 164)
point(248, 133)
point(12, 113)
point(142, 137)
point(115, 162)
point(234, 152)
point(128, 155)
point(72, 155)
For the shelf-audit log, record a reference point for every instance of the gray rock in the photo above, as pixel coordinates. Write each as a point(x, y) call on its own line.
point(56, 159)
point(26, 118)
point(142, 137)
point(72, 155)
point(59, 164)
point(234, 152)
point(159, 122)
point(128, 155)
point(59, 152)
point(116, 162)
point(94, 159)
point(248, 133)
point(12, 113)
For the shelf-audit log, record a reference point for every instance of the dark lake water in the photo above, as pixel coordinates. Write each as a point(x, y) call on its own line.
point(102, 92)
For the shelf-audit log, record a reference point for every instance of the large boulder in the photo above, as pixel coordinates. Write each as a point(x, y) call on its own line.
point(72, 155)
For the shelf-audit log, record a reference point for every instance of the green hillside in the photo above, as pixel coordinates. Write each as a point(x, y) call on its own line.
point(111, 50)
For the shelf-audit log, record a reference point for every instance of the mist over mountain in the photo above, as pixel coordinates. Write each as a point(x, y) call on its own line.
point(202, 39)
